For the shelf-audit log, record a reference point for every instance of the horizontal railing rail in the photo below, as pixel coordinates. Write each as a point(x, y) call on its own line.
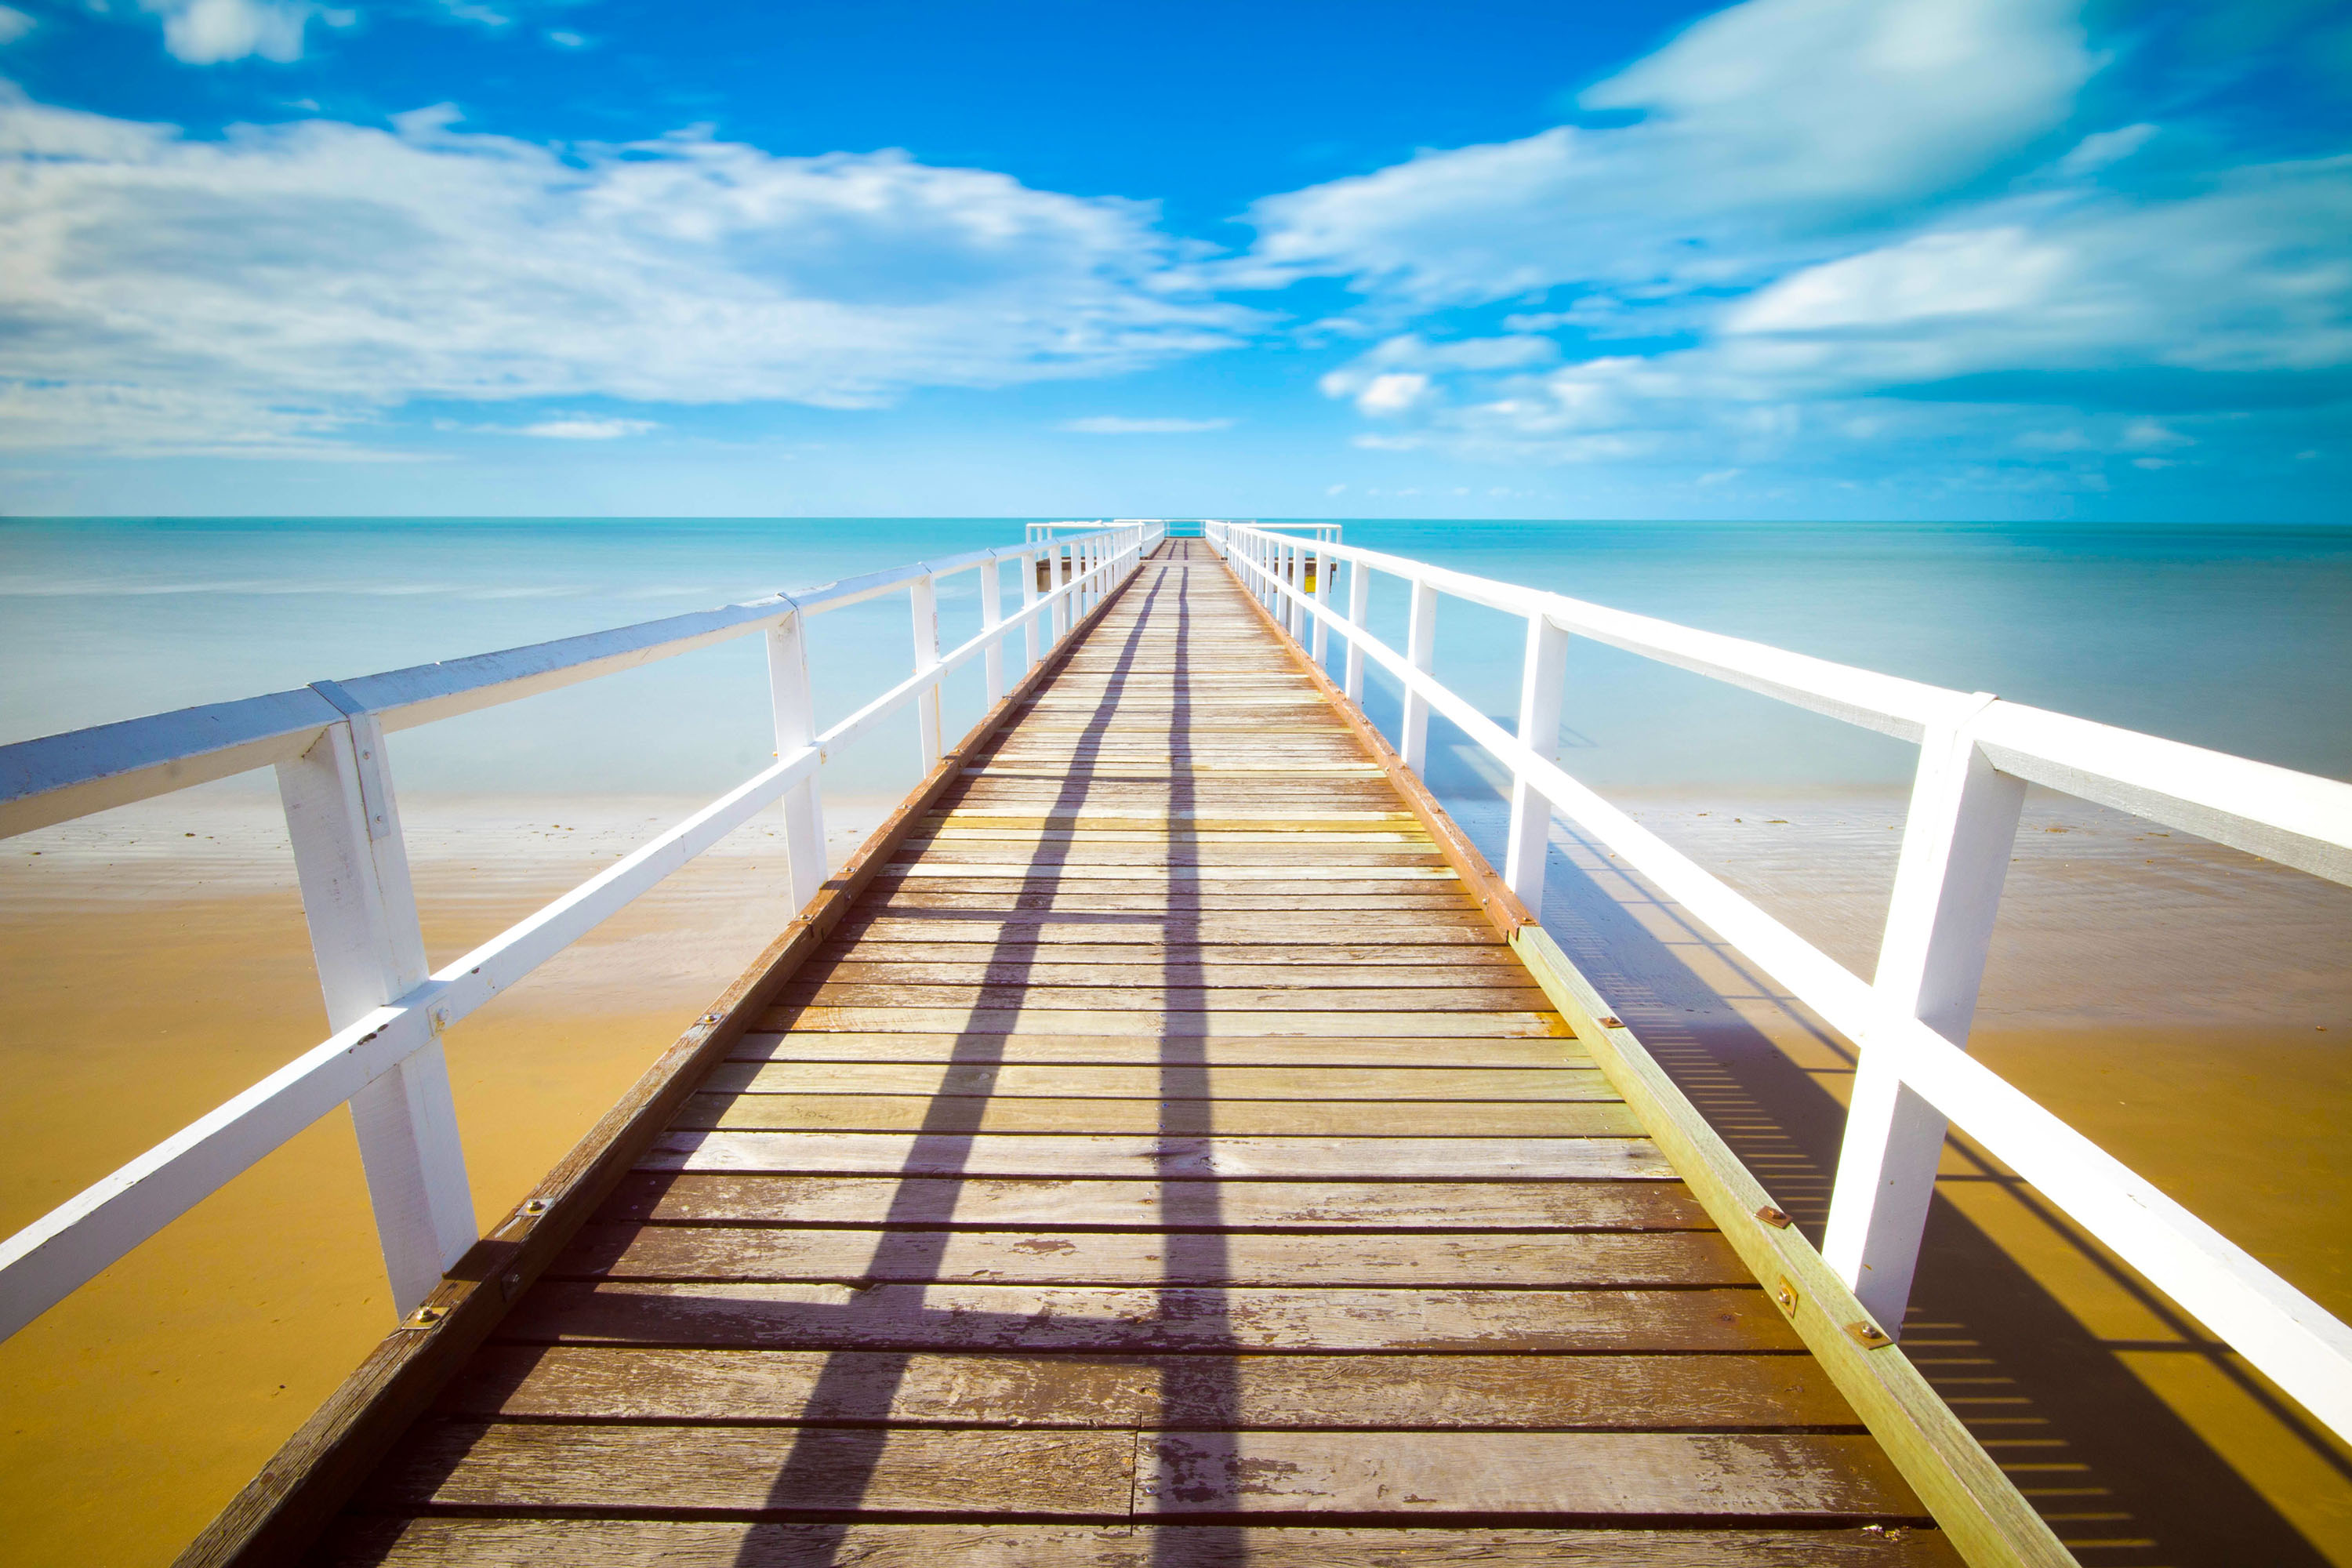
point(385, 1012)
point(1910, 1022)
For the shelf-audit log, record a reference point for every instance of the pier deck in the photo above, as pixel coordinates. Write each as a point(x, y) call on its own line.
point(1163, 1159)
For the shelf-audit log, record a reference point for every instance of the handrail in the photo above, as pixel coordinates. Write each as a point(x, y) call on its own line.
point(386, 1013)
point(1911, 1021)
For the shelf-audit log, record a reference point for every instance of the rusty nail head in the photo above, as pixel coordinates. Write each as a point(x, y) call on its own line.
point(1775, 1218)
point(1610, 1023)
point(1869, 1335)
point(1786, 1294)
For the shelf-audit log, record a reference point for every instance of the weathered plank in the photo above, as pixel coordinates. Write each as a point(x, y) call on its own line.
point(1527, 1025)
point(1018, 1204)
point(1164, 1319)
point(995, 925)
point(675, 1469)
point(445, 1542)
point(1489, 997)
point(1356, 1259)
point(1275, 1392)
point(1119, 969)
point(1172, 1157)
point(1079, 1116)
point(1340, 1051)
point(1581, 1474)
point(1170, 1080)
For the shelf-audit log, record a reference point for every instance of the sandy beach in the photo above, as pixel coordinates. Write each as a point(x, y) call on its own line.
point(2187, 1005)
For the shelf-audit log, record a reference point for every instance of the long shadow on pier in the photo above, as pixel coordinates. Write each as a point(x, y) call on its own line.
point(838, 1459)
point(2122, 1480)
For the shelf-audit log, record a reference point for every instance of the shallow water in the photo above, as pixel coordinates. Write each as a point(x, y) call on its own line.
point(2236, 636)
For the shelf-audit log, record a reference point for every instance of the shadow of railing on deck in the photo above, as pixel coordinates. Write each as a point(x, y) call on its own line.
point(2121, 1477)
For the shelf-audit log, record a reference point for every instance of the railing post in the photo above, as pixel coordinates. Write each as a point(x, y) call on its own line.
point(1360, 603)
point(1323, 565)
point(795, 716)
point(1542, 677)
point(1054, 571)
point(1029, 559)
point(1957, 841)
point(925, 592)
point(352, 867)
point(1420, 649)
point(992, 615)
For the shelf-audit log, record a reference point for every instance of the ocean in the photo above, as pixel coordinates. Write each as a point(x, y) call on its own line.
point(2237, 637)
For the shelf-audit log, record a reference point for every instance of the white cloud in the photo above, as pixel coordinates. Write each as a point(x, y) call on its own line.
point(1764, 126)
point(588, 429)
point(2236, 295)
point(2097, 151)
point(14, 24)
point(341, 270)
point(564, 39)
point(2247, 276)
point(1114, 425)
point(1393, 393)
point(208, 32)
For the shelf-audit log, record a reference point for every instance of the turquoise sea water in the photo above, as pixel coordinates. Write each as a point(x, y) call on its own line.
point(2236, 636)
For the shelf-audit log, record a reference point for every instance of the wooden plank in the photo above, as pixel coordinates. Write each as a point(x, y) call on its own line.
point(959, 1114)
point(1274, 1392)
point(719, 1315)
point(1175, 1157)
point(1587, 1260)
point(1484, 996)
point(1314, 878)
point(1587, 1475)
point(1034, 1020)
point(445, 1542)
point(1579, 1475)
point(1314, 933)
point(1114, 968)
point(1041, 1203)
point(1336, 906)
point(1333, 1051)
point(673, 1470)
point(1164, 1081)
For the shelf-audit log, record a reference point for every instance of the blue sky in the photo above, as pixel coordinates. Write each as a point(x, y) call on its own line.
point(1875, 258)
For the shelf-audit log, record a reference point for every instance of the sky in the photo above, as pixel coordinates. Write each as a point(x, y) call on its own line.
point(1791, 259)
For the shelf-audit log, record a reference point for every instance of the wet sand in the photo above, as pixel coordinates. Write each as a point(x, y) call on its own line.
point(146, 976)
point(2189, 1007)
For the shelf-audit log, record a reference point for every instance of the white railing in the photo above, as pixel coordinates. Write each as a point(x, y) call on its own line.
point(1910, 1022)
point(386, 1013)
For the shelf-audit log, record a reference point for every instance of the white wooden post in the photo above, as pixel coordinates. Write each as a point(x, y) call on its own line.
point(925, 592)
point(992, 614)
point(1029, 559)
point(352, 867)
point(1420, 649)
point(1295, 575)
point(1542, 677)
point(1956, 842)
point(1360, 603)
point(795, 716)
point(1323, 565)
point(1053, 570)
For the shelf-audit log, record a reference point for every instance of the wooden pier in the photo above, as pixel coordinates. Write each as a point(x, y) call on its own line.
point(1151, 1150)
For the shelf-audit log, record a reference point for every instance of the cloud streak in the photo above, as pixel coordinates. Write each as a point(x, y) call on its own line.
point(312, 276)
